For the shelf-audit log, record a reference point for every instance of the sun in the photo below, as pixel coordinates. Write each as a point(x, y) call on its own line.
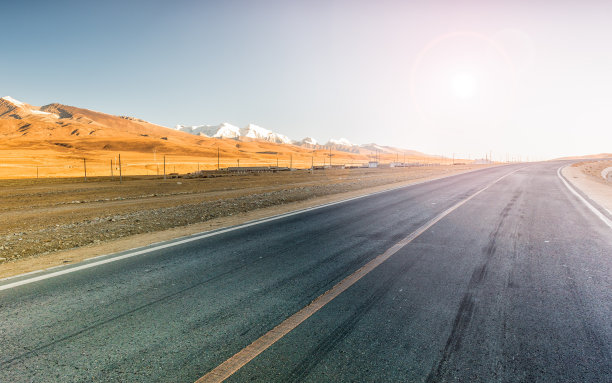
point(463, 86)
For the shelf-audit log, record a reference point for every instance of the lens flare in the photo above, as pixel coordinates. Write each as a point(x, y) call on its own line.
point(463, 85)
point(462, 78)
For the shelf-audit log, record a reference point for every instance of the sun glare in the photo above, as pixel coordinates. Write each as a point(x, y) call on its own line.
point(463, 86)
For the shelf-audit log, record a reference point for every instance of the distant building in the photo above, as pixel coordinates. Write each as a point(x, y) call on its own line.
point(373, 164)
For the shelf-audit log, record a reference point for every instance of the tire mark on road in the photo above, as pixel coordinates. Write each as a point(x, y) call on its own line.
point(324, 263)
point(318, 353)
point(466, 309)
point(168, 297)
point(597, 342)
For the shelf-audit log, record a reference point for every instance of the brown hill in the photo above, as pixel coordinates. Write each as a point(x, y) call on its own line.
point(53, 140)
point(23, 125)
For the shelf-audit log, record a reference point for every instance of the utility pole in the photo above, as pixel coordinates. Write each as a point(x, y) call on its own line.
point(330, 156)
point(312, 164)
point(120, 173)
point(85, 168)
point(164, 166)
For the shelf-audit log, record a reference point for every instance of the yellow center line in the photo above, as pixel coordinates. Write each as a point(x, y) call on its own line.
point(244, 356)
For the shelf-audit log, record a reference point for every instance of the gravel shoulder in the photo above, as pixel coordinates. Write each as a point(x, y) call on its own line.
point(586, 176)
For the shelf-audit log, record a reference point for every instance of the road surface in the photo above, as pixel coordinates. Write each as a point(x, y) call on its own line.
point(510, 282)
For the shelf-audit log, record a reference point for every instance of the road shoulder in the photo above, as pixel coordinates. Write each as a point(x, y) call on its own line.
point(599, 192)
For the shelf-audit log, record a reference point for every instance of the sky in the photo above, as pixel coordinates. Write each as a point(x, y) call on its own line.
point(518, 79)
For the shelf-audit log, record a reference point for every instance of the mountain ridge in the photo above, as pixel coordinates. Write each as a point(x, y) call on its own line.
point(226, 130)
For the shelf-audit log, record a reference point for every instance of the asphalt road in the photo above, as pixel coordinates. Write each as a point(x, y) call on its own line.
point(515, 285)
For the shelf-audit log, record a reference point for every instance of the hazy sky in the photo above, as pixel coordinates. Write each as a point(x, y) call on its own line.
point(529, 78)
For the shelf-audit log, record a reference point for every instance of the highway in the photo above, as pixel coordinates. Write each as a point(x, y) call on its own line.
point(497, 275)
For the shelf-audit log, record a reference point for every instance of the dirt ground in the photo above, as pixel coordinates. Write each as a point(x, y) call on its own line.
point(593, 169)
point(56, 221)
point(587, 177)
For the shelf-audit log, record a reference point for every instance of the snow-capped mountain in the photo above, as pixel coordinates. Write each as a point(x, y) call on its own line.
point(255, 132)
point(343, 145)
point(11, 104)
point(390, 150)
point(341, 142)
point(17, 103)
point(308, 141)
point(224, 130)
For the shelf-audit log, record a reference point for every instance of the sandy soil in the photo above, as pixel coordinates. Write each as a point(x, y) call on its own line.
point(587, 177)
point(55, 222)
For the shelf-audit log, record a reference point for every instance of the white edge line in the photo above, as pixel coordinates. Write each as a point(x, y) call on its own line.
point(174, 242)
point(596, 211)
